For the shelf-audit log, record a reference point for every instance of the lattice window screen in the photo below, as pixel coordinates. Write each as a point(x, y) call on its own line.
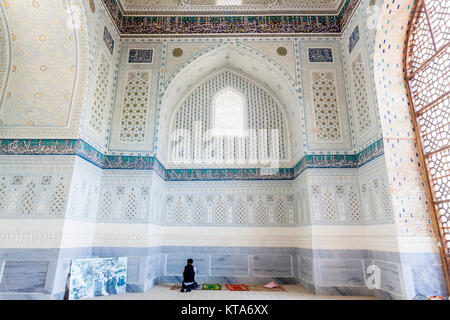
point(229, 2)
point(263, 115)
point(428, 74)
point(228, 113)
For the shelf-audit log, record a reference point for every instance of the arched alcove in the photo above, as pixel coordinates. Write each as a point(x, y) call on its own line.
point(254, 66)
point(259, 138)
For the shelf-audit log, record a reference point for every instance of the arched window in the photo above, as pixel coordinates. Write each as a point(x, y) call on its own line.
point(229, 113)
point(229, 2)
point(428, 75)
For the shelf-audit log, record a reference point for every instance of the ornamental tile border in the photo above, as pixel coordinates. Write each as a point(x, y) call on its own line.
point(38, 146)
point(84, 150)
point(233, 24)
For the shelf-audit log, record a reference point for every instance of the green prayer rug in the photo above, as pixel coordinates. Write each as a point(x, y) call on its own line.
point(206, 286)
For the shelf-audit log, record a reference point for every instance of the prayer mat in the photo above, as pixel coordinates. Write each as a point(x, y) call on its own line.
point(237, 287)
point(206, 286)
point(178, 287)
point(258, 287)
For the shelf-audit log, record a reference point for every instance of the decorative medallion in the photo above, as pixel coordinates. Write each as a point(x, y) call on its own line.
point(177, 52)
point(282, 51)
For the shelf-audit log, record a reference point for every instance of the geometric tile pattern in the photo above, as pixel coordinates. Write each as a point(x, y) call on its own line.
point(120, 203)
point(220, 206)
point(325, 106)
point(31, 196)
point(361, 99)
point(348, 202)
point(134, 107)
point(99, 100)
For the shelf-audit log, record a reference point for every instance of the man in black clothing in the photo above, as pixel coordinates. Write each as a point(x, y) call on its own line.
point(189, 277)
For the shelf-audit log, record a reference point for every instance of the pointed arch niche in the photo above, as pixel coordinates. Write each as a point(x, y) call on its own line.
point(229, 120)
point(252, 71)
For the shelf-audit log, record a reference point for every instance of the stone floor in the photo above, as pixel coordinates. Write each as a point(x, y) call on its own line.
point(163, 292)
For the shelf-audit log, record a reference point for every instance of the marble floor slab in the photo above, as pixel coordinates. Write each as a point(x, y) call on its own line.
point(163, 292)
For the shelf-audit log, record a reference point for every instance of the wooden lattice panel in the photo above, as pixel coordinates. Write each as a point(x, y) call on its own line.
point(422, 48)
point(438, 13)
point(428, 71)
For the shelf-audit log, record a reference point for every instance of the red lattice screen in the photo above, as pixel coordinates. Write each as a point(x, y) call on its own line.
point(428, 74)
